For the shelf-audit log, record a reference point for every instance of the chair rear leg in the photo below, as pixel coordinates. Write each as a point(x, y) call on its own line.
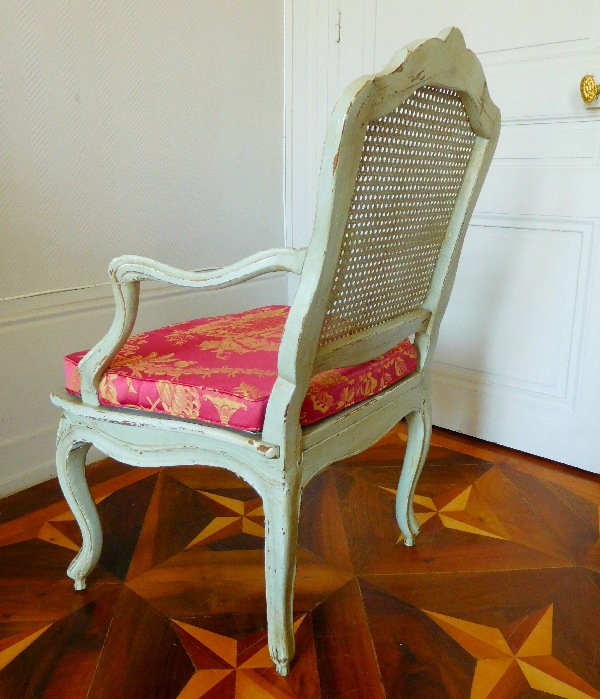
point(282, 510)
point(70, 464)
point(419, 436)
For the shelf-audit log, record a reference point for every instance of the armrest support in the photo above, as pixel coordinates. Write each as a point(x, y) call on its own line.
point(127, 271)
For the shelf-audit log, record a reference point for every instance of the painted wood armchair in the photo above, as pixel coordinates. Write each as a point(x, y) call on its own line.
point(405, 157)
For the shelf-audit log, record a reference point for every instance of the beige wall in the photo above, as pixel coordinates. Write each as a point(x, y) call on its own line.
point(125, 127)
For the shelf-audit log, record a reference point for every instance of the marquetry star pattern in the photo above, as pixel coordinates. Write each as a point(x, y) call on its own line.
point(182, 560)
point(453, 512)
point(62, 530)
point(513, 659)
point(232, 516)
point(236, 669)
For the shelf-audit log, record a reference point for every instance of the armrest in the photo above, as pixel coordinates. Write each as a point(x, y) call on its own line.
point(131, 268)
point(127, 271)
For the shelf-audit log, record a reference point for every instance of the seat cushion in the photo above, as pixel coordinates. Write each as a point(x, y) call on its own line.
point(222, 370)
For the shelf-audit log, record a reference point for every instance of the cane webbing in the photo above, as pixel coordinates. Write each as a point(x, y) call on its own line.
point(412, 167)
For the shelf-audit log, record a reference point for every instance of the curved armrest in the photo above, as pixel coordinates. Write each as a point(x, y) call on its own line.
point(127, 271)
point(131, 268)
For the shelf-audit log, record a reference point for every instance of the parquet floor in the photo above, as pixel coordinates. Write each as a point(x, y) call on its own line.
point(499, 599)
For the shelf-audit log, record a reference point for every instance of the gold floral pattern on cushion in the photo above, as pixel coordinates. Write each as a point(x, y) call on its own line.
point(107, 390)
point(179, 400)
point(72, 377)
point(222, 370)
point(337, 389)
point(238, 335)
point(226, 407)
point(133, 344)
point(247, 390)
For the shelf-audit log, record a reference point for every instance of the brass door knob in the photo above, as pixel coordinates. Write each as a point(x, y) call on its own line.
point(588, 88)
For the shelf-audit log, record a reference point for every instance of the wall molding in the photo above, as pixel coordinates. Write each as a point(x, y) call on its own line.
point(307, 67)
point(551, 145)
point(14, 482)
point(43, 308)
point(550, 119)
point(541, 53)
point(318, 68)
point(563, 394)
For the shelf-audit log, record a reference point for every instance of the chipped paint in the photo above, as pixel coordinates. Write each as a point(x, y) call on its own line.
point(418, 77)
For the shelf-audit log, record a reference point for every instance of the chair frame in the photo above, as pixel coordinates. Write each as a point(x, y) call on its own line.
point(280, 462)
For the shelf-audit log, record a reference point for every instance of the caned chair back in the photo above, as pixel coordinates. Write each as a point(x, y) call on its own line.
point(411, 170)
point(405, 156)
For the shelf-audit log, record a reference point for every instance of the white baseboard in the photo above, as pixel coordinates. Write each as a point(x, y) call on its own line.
point(27, 460)
point(36, 334)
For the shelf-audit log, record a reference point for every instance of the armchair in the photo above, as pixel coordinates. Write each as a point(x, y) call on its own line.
point(404, 159)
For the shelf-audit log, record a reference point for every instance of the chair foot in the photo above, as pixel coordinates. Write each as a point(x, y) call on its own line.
point(79, 584)
point(409, 540)
point(283, 669)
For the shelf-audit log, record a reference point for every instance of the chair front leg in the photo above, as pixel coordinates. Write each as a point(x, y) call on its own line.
point(70, 464)
point(419, 436)
point(282, 509)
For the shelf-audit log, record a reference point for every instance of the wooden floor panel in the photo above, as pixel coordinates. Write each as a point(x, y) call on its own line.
point(498, 599)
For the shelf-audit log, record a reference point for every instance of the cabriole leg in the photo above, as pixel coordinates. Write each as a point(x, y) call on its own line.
point(419, 436)
point(282, 509)
point(70, 464)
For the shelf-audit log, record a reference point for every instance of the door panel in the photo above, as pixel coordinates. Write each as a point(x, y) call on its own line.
point(493, 26)
point(520, 335)
point(518, 359)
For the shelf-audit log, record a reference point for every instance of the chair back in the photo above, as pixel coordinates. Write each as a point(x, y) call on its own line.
point(410, 174)
point(405, 156)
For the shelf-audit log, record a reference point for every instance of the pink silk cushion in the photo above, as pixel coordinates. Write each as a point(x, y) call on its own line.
point(222, 370)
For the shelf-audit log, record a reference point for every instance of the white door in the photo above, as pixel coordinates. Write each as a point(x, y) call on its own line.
point(518, 360)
